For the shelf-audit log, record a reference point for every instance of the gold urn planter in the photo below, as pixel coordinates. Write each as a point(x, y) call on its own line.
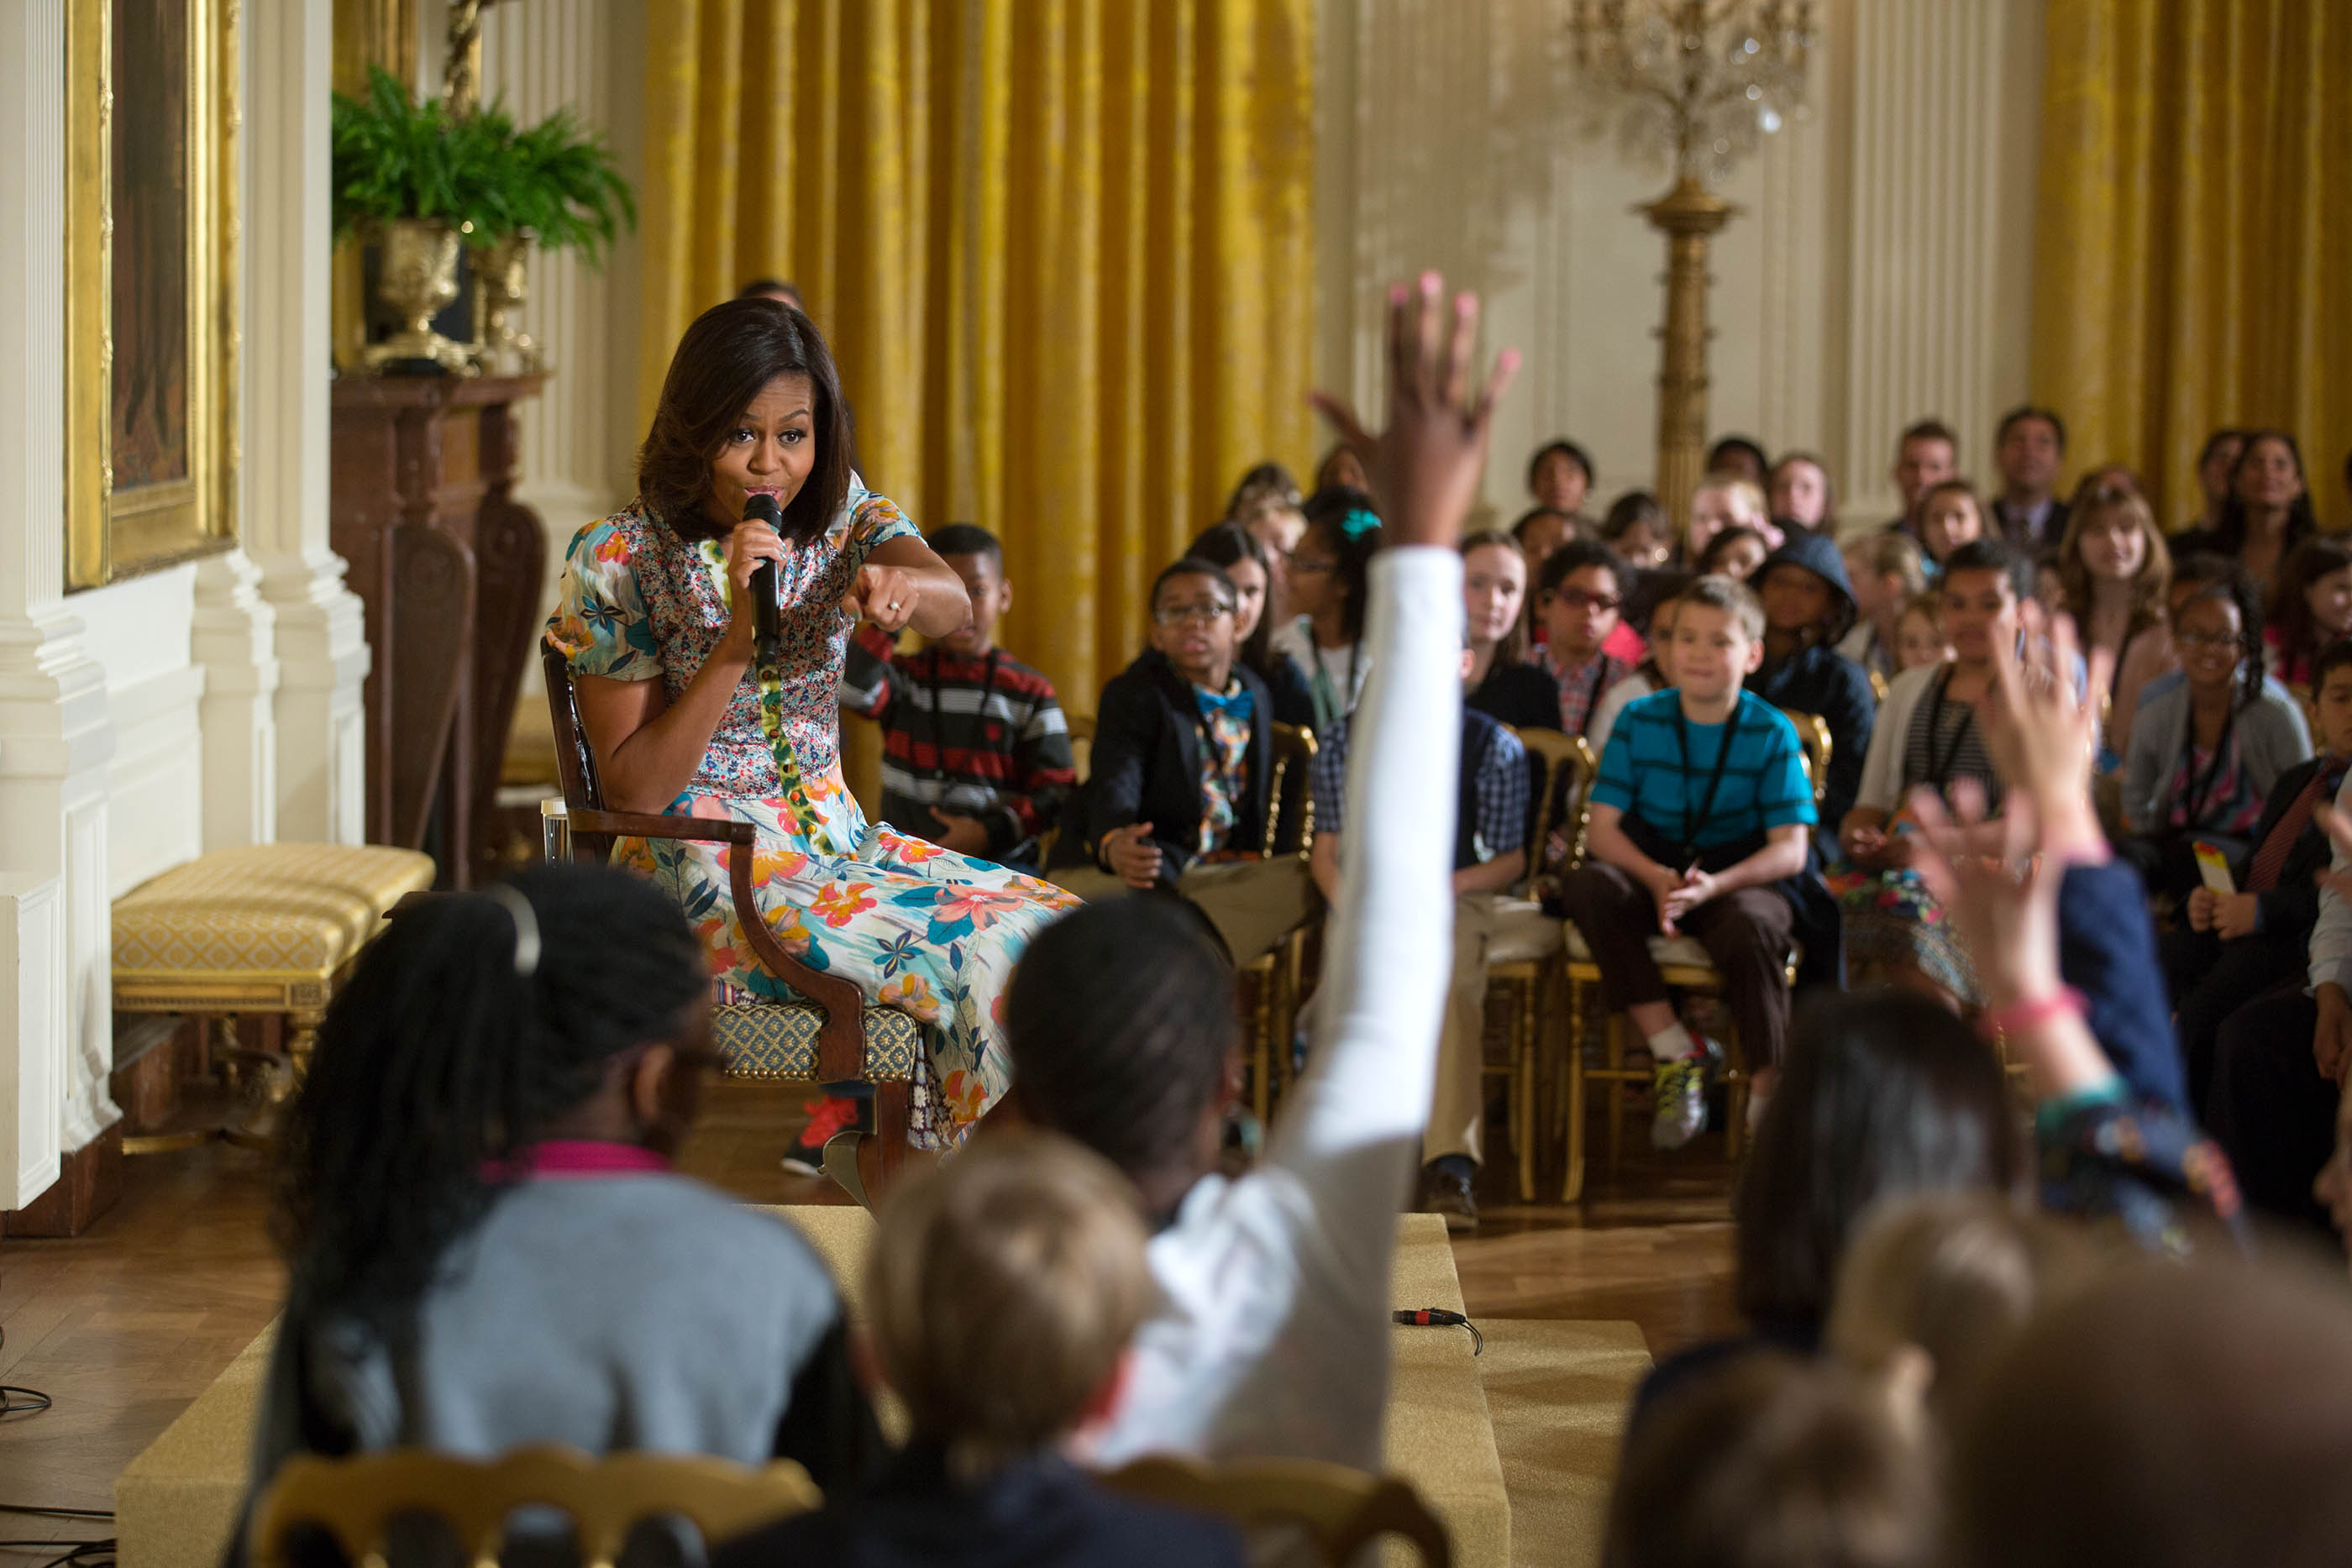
point(417, 278)
point(502, 284)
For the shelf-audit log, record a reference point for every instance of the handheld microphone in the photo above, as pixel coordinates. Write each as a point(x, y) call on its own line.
point(766, 632)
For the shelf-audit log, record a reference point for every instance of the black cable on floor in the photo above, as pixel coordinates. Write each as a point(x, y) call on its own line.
point(14, 1401)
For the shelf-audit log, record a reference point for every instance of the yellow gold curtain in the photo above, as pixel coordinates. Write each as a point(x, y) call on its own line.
point(2193, 260)
point(1062, 250)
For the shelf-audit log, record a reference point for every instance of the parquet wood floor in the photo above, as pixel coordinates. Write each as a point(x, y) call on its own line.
point(124, 1325)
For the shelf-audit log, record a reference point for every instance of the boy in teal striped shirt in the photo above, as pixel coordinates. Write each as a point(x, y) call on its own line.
point(1700, 813)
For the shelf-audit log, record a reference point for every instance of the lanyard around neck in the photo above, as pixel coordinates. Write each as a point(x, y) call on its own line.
point(1939, 769)
point(1694, 816)
point(2201, 786)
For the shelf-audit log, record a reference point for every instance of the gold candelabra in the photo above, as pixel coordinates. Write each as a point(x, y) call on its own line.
point(1696, 84)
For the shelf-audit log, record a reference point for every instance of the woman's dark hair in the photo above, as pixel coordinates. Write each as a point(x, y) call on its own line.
point(2215, 441)
point(1265, 479)
point(1323, 477)
point(1991, 554)
point(2299, 634)
point(439, 1057)
point(1331, 514)
point(1630, 510)
point(2337, 655)
point(1228, 544)
point(2235, 587)
point(1566, 448)
point(2230, 530)
point(1882, 1093)
point(728, 354)
point(1118, 1021)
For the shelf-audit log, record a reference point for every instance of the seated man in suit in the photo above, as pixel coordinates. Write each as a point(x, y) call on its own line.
point(1489, 855)
point(1182, 777)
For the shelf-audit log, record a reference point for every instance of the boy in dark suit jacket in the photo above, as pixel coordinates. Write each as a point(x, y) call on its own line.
point(1181, 777)
point(1002, 1296)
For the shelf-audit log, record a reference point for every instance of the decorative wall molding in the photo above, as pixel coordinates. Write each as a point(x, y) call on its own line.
point(33, 1014)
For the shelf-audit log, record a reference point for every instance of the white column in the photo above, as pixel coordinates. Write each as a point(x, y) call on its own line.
point(319, 632)
point(235, 641)
point(1944, 118)
point(56, 736)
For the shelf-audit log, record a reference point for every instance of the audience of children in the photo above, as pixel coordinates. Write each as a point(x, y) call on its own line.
point(1949, 516)
point(1250, 566)
point(1734, 552)
point(1700, 823)
point(2116, 569)
point(1801, 494)
point(2312, 609)
point(1491, 823)
point(2238, 943)
point(1327, 595)
point(1501, 684)
point(1887, 573)
point(1637, 529)
point(1342, 470)
point(1926, 733)
point(1808, 607)
point(2216, 460)
point(1003, 1293)
point(2204, 754)
point(1181, 777)
point(1919, 633)
point(1740, 457)
point(1926, 454)
point(2268, 511)
point(1540, 530)
point(1580, 600)
point(1725, 501)
point(486, 1244)
point(1559, 476)
point(2029, 448)
point(975, 752)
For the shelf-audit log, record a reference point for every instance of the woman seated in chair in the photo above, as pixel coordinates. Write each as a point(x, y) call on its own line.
point(486, 1243)
point(685, 715)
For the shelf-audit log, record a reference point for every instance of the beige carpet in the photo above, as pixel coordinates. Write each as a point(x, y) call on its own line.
point(1558, 1393)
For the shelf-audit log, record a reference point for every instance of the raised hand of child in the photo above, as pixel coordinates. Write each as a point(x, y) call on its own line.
point(2007, 919)
point(1131, 855)
point(2044, 737)
point(1424, 467)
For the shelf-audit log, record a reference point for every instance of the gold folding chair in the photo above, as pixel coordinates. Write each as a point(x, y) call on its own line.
point(356, 1499)
point(1277, 975)
point(1563, 779)
point(1339, 1511)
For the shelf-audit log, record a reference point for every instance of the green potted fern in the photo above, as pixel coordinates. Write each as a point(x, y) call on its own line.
point(417, 182)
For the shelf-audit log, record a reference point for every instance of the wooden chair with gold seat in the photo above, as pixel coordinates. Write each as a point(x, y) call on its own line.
point(357, 1500)
point(1337, 1510)
point(1684, 963)
point(1278, 975)
point(1528, 962)
point(265, 928)
point(832, 1037)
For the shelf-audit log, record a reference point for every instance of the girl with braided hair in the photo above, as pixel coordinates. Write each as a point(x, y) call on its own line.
point(487, 1244)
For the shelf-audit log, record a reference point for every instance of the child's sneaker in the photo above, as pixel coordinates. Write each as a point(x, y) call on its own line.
point(826, 1116)
point(1679, 1091)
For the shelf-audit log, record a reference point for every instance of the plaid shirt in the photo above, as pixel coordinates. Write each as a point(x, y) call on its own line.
point(1579, 688)
point(1501, 790)
point(977, 737)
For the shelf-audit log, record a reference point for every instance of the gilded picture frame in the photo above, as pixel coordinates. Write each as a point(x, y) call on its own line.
point(152, 320)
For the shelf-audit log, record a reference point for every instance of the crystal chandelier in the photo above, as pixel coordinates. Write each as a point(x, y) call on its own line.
point(1696, 84)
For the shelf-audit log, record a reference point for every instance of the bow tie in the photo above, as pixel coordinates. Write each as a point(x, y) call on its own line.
point(1235, 704)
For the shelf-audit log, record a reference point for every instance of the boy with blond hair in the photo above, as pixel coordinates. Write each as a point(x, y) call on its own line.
point(1001, 1293)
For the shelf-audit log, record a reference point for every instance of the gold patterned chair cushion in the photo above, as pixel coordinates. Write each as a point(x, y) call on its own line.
point(268, 911)
point(778, 1039)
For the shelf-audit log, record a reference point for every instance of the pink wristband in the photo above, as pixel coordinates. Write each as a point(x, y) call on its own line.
point(2023, 1015)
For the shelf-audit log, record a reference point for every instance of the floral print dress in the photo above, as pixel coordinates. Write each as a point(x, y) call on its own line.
point(917, 926)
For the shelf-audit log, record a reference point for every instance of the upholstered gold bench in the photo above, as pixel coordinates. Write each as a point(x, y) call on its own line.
point(269, 928)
